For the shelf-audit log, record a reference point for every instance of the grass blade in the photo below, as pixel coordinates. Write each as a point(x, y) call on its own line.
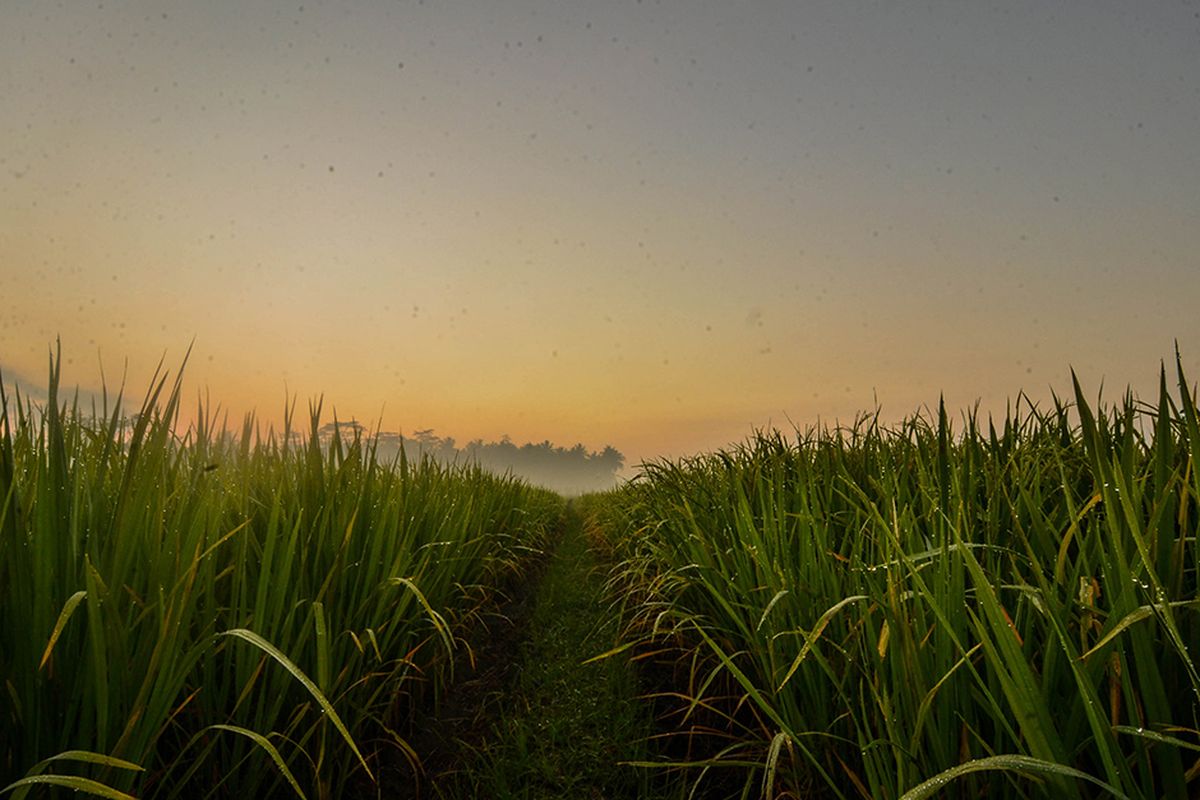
point(272, 651)
point(1015, 763)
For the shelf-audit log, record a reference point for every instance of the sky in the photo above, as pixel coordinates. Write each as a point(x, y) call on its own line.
point(651, 225)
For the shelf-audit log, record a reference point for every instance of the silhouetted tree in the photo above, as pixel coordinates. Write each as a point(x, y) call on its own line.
point(567, 470)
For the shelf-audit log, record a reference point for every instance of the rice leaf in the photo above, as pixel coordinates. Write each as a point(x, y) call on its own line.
point(1015, 763)
point(266, 745)
point(72, 782)
point(272, 651)
point(68, 609)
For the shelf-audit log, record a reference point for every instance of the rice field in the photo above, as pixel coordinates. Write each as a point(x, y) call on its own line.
point(960, 608)
point(948, 606)
point(204, 614)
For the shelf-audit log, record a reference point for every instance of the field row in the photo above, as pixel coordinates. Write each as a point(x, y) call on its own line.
point(997, 609)
point(1002, 610)
point(208, 615)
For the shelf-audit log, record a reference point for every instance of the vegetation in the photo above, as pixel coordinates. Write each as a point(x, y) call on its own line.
point(200, 615)
point(564, 725)
point(1004, 610)
point(881, 612)
point(569, 471)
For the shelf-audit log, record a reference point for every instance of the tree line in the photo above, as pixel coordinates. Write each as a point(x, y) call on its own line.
point(568, 470)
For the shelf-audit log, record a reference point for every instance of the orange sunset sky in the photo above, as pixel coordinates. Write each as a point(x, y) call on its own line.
point(655, 225)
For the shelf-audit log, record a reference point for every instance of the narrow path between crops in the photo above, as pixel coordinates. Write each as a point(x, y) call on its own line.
point(553, 726)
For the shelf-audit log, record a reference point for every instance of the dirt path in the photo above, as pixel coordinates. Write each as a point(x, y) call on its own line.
point(533, 720)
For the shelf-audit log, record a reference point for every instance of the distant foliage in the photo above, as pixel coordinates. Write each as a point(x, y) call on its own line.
point(568, 470)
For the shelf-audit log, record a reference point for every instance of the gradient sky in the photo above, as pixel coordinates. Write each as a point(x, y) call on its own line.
point(647, 224)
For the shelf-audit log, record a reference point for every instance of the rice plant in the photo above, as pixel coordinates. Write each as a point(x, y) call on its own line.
point(997, 609)
point(199, 614)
